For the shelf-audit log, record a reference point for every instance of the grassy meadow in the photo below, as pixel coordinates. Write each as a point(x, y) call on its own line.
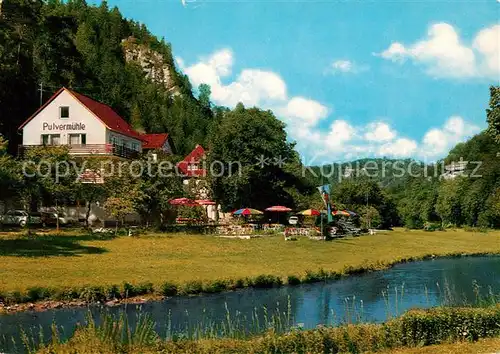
point(96, 264)
point(73, 259)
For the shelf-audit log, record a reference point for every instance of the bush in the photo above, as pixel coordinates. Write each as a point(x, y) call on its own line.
point(216, 286)
point(169, 289)
point(293, 280)
point(93, 294)
point(235, 284)
point(429, 226)
point(192, 288)
point(15, 297)
point(67, 294)
point(38, 293)
point(144, 288)
point(128, 290)
point(112, 292)
point(265, 281)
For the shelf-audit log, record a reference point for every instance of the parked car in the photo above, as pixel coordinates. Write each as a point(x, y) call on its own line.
point(35, 218)
point(294, 220)
point(50, 219)
point(15, 217)
point(20, 218)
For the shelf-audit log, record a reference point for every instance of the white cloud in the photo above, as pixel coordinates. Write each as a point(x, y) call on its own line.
point(438, 141)
point(345, 66)
point(340, 133)
point(379, 131)
point(401, 147)
point(305, 117)
point(252, 87)
point(308, 111)
point(487, 42)
point(443, 53)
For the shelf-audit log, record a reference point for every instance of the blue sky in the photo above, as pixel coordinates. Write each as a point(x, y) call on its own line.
point(385, 78)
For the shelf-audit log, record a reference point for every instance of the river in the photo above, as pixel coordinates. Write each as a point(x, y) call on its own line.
point(371, 297)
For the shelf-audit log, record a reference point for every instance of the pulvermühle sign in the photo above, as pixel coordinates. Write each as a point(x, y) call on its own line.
point(65, 126)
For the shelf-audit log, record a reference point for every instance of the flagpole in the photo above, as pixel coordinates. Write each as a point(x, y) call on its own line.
point(325, 206)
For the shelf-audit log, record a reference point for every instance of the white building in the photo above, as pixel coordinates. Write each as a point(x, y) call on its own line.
point(454, 170)
point(87, 126)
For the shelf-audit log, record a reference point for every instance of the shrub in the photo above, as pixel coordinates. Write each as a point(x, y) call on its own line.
point(15, 297)
point(38, 293)
point(128, 290)
point(112, 292)
point(144, 288)
point(235, 284)
point(312, 277)
point(66, 294)
point(192, 287)
point(216, 286)
point(265, 281)
point(92, 294)
point(168, 289)
point(293, 280)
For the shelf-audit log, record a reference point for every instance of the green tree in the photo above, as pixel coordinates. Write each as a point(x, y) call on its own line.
point(156, 188)
point(245, 155)
point(135, 119)
point(90, 186)
point(448, 204)
point(204, 95)
point(119, 208)
point(10, 174)
point(493, 113)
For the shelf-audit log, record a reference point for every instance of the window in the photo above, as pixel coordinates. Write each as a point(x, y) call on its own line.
point(77, 139)
point(74, 139)
point(63, 112)
point(55, 139)
point(45, 139)
point(51, 139)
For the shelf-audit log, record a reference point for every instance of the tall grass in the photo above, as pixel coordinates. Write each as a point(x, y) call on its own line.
point(412, 329)
point(118, 332)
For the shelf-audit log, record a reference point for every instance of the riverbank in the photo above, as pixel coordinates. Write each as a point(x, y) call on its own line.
point(415, 329)
point(81, 267)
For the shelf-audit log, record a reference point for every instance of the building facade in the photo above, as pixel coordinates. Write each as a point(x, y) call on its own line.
point(87, 126)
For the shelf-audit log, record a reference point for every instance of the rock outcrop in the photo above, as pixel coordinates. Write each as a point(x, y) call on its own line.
point(152, 63)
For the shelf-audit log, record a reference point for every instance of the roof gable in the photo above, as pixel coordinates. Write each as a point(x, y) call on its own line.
point(193, 157)
point(154, 141)
point(104, 113)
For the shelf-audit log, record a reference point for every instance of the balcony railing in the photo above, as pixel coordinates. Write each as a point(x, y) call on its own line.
point(90, 150)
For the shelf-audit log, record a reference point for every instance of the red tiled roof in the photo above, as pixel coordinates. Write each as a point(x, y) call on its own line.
point(194, 157)
point(154, 141)
point(105, 113)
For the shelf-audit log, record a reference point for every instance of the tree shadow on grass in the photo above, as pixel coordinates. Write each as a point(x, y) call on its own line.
point(48, 245)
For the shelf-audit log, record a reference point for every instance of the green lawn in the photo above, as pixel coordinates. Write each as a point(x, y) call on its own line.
point(76, 259)
point(485, 346)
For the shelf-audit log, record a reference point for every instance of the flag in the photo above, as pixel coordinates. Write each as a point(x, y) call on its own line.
point(325, 196)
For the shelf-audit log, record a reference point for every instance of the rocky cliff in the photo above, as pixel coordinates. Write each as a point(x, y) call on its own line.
point(154, 65)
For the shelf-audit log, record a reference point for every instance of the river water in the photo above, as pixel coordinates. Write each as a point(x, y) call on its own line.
point(371, 297)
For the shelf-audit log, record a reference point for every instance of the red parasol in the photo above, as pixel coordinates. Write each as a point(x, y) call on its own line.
point(279, 208)
point(183, 202)
point(205, 202)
